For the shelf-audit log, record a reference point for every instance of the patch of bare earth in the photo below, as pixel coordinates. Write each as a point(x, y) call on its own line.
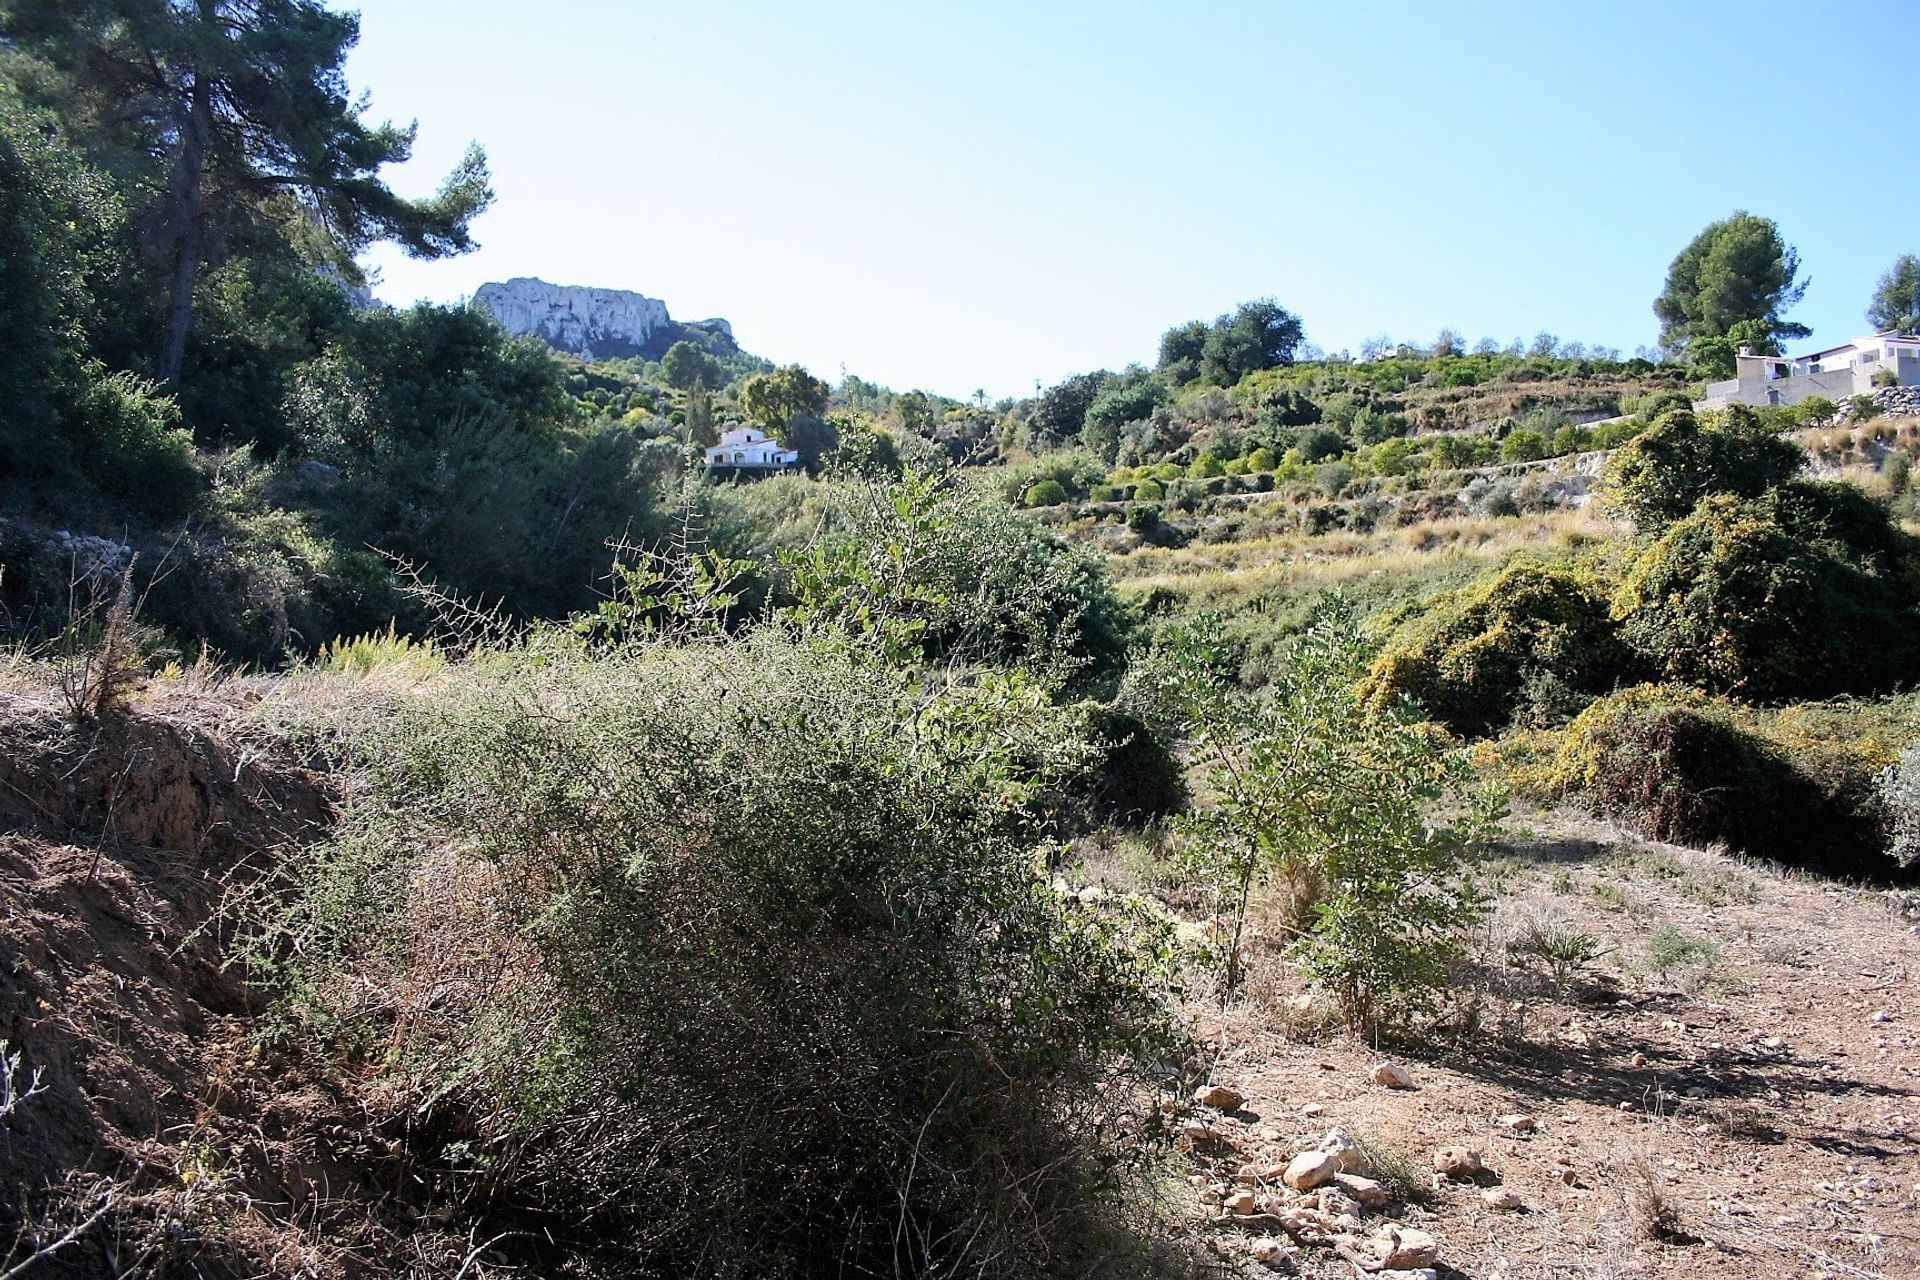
point(1722, 1080)
point(146, 1126)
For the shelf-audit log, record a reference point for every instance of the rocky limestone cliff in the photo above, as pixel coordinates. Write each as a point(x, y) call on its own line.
point(599, 324)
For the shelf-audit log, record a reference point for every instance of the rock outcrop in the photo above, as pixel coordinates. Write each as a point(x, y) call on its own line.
point(1894, 402)
point(598, 324)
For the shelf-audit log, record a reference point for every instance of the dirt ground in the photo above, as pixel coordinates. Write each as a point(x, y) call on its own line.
point(1720, 1078)
point(145, 1125)
point(1726, 1087)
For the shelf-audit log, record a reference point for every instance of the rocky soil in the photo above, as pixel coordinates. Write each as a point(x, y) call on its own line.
point(1727, 1086)
point(1660, 1062)
point(147, 1125)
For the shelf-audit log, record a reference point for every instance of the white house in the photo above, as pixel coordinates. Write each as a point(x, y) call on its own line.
point(1836, 373)
point(747, 448)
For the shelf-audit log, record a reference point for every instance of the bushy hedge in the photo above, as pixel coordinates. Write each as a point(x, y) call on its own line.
point(1899, 787)
point(1529, 641)
point(930, 568)
point(1805, 591)
point(1045, 493)
point(734, 959)
point(1684, 766)
point(130, 444)
point(1658, 476)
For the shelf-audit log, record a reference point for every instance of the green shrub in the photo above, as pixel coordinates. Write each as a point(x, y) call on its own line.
point(1394, 458)
point(1317, 444)
point(1371, 426)
point(1564, 949)
point(1814, 411)
point(131, 445)
point(1651, 406)
point(1668, 948)
point(1339, 800)
point(1492, 498)
point(1075, 473)
point(1532, 641)
point(1149, 491)
point(454, 449)
point(1898, 786)
point(1523, 445)
point(927, 570)
point(1571, 438)
point(1683, 766)
point(1806, 591)
point(1047, 493)
point(1658, 476)
point(740, 925)
point(1143, 518)
point(258, 585)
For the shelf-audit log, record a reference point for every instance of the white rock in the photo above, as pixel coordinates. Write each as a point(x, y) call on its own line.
point(1500, 1199)
point(1461, 1163)
point(1370, 1194)
point(1240, 1202)
point(1398, 1248)
point(1310, 1169)
point(1220, 1097)
point(1517, 1124)
point(1346, 1152)
point(596, 323)
point(1392, 1075)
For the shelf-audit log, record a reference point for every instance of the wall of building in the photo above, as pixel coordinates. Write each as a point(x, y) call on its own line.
point(1836, 384)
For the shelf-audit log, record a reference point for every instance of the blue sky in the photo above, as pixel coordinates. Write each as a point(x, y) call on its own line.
point(987, 195)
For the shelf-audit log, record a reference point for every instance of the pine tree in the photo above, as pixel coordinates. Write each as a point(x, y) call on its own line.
point(226, 111)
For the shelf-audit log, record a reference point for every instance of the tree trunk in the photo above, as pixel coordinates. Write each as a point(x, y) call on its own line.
point(185, 214)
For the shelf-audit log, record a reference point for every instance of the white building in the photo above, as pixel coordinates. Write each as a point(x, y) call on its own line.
point(1836, 373)
point(747, 448)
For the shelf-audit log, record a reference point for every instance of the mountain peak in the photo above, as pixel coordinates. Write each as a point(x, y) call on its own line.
point(595, 323)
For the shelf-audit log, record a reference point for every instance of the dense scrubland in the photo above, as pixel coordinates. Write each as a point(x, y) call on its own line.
point(545, 855)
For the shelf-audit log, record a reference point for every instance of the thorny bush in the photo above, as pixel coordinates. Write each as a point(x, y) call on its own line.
point(739, 957)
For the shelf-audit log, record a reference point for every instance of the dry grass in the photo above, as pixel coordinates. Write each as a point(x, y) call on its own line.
point(1649, 1199)
point(1404, 1176)
point(1867, 440)
point(1331, 558)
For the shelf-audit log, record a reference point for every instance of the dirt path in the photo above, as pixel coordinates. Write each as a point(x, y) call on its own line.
point(1729, 1089)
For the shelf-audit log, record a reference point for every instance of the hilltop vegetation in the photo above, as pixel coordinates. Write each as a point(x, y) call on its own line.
point(546, 855)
